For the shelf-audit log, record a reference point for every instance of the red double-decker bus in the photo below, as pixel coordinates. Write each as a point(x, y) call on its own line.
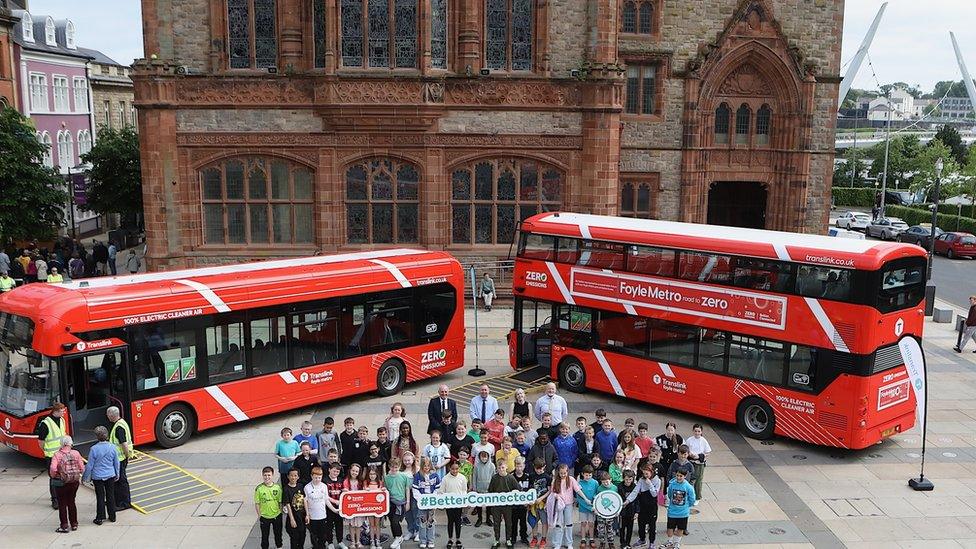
point(185, 351)
point(781, 333)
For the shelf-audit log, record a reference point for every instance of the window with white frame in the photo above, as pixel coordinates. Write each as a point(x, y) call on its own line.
point(107, 109)
point(84, 142)
point(50, 36)
point(122, 123)
point(28, 25)
point(61, 93)
point(38, 91)
point(69, 35)
point(48, 157)
point(81, 94)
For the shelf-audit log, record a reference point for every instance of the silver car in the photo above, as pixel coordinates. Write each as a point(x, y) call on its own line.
point(886, 228)
point(855, 221)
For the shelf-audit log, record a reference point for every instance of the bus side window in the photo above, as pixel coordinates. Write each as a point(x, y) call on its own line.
point(803, 368)
point(269, 345)
point(758, 359)
point(825, 282)
point(672, 343)
point(390, 323)
point(538, 246)
point(438, 305)
point(162, 355)
point(652, 261)
point(566, 250)
point(601, 255)
point(575, 325)
point(225, 351)
point(314, 337)
point(711, 350)
point(352, 329)
point(705, 267)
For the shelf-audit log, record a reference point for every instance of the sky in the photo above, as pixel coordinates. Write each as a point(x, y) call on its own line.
point(912, 44)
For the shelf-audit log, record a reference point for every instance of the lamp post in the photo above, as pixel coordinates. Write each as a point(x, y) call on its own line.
point(935, 214)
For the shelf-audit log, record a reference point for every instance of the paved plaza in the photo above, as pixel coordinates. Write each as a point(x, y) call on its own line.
point(757, 494)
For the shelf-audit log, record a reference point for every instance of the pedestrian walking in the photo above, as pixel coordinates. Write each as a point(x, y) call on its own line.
point(553, 404)
point(49, 432)
point(487, 291)
point(267, 504)
point(100, 256)
point(76, 267)
point(132, 262)
point(121, 437)
point(103, 470)
point(969, 332)
point(698, 450)
point(66, 470)
point(41, 267)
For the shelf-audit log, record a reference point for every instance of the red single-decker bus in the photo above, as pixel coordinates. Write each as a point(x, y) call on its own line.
point(184, 351)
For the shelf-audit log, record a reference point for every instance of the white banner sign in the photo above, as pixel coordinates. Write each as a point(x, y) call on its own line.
point(474, 499)
point(911, 353)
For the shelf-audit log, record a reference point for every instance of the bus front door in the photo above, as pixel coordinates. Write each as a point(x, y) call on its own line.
point(94, 382)
point(532, 333)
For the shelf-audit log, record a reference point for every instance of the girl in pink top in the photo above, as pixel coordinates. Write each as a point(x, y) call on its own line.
point(559, 507)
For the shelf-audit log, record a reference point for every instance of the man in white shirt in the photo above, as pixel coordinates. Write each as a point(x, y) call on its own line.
point(483, 406)
point(552, 403)
point(698, 450)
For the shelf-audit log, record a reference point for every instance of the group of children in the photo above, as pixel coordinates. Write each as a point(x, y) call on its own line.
point(566, 471)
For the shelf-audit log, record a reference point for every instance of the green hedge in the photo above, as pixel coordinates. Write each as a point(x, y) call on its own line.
point(950, 209)
point(853, 196)
point(946, 222)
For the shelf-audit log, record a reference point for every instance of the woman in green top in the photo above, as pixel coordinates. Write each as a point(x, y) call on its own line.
point(398, 483)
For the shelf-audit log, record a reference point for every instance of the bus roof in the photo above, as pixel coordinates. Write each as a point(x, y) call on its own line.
point(105, 302)
point(798, 247)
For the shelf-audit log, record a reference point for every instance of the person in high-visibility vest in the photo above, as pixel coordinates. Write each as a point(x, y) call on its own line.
point(54, 277)
point(49, 432)
point(121, 437)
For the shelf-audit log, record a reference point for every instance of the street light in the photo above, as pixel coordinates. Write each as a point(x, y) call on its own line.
point(935, 215)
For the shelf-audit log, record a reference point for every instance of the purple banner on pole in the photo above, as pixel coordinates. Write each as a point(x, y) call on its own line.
point(79, 188)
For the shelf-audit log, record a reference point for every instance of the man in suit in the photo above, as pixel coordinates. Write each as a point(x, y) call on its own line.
point(435, 410)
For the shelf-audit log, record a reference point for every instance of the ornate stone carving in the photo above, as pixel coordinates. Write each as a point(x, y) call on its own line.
point(516, 93)
point(745, 81)
point(227, 139)
point(433, 92)
point(244, 91)
point(377, 92)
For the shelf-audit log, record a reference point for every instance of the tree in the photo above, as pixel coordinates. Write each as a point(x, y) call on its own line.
point(923, 177)
point(901, 155)
point(950, 137)
point(954, 87)
point(115, 176)
point(853, 163)
point(32, 196)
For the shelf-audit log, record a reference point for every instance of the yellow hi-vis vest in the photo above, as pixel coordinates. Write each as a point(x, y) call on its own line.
point(54, 433)
point(114, 440)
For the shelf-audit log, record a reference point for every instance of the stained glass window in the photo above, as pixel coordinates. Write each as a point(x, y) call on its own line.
point(629, 20)
point(496, 41)
point(233, 216)
point(252, 34)
point(390, 214)
point(438, 34)
point(505, 191)
point(637, 17)
point(522, 14)
point(509, 32)
point(382, 33)
point(318, 22)
point(722, 114)
point(763, 124)
point(742, 120)
point(646, 18)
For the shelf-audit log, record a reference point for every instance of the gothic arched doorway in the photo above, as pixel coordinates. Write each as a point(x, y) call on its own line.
point(737, 204)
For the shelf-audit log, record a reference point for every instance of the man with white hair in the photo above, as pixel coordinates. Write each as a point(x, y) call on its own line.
point(435, 410)
point(121, 437)
point(552, 403)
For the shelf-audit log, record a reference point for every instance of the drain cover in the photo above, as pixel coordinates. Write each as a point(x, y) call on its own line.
point(694, 511)
point(948, 454)
point(767, 443)
point(730, 532)
point(913, 455)
point(875, 456)
point(777, 531)
point(737, 510)
point(800, 457)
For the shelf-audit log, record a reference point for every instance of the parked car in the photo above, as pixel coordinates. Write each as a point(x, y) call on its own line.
point(920, 235)
point(886, 228)
point(855, 221)
point(956, 245)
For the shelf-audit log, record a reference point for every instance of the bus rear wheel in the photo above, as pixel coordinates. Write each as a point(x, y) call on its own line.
point(174, 425)
point(756, 418)
point(572, 376)
point(391, 378)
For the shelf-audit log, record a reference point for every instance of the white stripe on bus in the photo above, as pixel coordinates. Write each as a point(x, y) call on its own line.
point(226, 403)
point(559, 283)
point(288, 377)
point(207, 294)
point(608, 371)
point(397, 274)
point(826, 325)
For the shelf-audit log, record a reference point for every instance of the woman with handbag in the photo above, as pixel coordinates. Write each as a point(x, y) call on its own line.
point(66, 470)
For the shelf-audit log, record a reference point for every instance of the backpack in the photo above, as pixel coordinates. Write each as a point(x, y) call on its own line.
point(70, 469)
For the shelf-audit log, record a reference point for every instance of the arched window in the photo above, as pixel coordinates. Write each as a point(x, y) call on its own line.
point(742, 120)
point(382, 202)
point(629, 20)
point(635, 199)
point(722, 114)
point(27, 24)
point(646, 20)
point(379, 33)
point(764, 121)
point(48, 156)
point(253, 34)
point(509, 34)
point(256, 200)
point(69, 35)
point(318, 24)
point(50, 34)
point(84, 142)
point(66, 151)
point(488, 197)
point(438, 34)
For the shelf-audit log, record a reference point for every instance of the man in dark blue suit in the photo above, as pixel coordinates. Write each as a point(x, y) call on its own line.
point(435, 410)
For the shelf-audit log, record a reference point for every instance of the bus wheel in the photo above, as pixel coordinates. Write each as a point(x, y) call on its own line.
point(391, 378)
point(572, 376)
point(174, 425)
point(756, 419)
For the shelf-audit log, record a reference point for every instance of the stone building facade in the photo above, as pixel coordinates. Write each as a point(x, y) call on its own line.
point(8, 67)
point(112, 92)
point(288, 127)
